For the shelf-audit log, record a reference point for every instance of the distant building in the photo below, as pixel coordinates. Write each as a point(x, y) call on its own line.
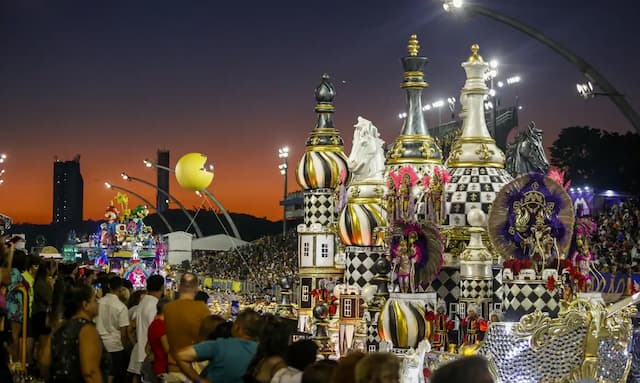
point(162, 201)
point(294, 206)
point(67, 192)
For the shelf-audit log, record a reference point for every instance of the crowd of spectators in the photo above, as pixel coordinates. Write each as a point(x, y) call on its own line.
point(617, 238)
point(264, 261)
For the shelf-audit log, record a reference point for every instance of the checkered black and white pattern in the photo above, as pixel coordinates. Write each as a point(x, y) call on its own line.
point(476, 290)
point(497, 285)
point(359, 266)
point(447, 285)
point(319, 207)
point(373, 338)
point(525, 297)
point(471, 188)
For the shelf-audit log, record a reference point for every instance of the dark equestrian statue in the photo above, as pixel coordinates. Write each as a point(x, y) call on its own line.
point(526, 153)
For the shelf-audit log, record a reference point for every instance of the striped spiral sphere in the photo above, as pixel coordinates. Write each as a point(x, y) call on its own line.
point(321, 169)
point(357, 223)
point(403, 323)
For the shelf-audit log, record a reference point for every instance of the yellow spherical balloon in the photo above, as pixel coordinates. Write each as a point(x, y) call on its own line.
point(191, 173)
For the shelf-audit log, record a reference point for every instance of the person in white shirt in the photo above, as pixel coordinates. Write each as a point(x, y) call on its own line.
point(112, 323)
point(146, 312)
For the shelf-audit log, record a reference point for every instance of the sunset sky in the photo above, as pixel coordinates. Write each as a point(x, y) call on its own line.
point(114, 81)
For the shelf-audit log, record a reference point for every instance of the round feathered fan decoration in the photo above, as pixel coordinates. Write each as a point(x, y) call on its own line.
point(529, 206)
point(427, 248)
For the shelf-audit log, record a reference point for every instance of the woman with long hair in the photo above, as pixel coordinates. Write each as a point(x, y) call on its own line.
point(272, 351)
point(76, 348)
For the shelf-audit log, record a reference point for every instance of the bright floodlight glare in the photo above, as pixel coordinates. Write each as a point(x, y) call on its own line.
point(457, 3)
point(488, 105)
point(1, 182)
point(438, 104)
point(147, 163)
point(520, 107)
point(500, 84)
point(492, 92)
point(198, 193)
point(513, 80)
point(493, 63)
point(124, 176)
point(283, 152)
point(609, 193)
point(107, 185)
point(451, 100)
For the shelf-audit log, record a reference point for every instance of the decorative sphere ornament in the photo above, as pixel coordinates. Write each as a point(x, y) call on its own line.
point(476, 218)
point(320, 312)
point(285, 284)
point(192, 172)
point(382, 266)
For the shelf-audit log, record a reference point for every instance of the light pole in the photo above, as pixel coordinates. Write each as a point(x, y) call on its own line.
point(206, 192)
point(284, 170)
point(191, 219)
point(111, 186)
point(491, 73)
point(3, 157)
point(590, 72)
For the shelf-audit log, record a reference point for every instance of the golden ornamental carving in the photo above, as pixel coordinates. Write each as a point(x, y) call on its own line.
point(414, 46)
point(456, 152)
point(355, 193)
point(397, 150)
point(427, 150)
point(475, 56)
point(335, 140)
point(485, 153)
point(541, 328)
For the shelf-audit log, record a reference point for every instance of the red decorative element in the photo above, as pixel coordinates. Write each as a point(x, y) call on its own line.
point(413, 177)
point(577, 277)
point(483, 325)
point(430, 316)
point(442, 174)
point(427, 373)
point(425, 181)
point(517, 264)
point(558, 176)
point(551, 283)
point(450, 325)
point(396, 178)
point(343, 175)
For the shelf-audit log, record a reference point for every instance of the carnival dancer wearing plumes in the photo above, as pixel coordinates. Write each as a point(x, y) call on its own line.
point(474, 326)
point(403, 265)
point(441, 327)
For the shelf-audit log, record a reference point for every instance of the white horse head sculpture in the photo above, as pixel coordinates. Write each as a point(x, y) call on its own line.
point(366, 160)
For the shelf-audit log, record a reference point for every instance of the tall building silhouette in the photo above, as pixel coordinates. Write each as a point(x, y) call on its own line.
point(68, 189)
point(162, 201)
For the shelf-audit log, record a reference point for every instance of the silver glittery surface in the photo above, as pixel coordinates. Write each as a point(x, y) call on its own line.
point(612, 360)
point(516, 361)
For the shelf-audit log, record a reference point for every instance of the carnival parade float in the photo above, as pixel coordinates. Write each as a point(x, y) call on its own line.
point(432, 258)
point(125, 245)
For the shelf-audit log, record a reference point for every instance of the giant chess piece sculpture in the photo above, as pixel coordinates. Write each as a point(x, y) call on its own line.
point(476, 275)
point(475, 163)
point(321, 170)
point(364, 216)
point(321, 335)
point(414, 154)
point(526, 153)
